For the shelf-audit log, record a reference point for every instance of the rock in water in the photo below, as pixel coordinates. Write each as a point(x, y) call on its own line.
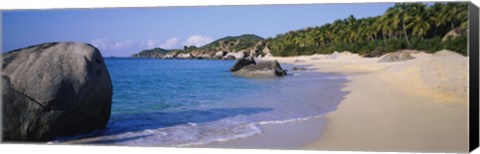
point(248, 67)
point(396, 56)
point(54, 89)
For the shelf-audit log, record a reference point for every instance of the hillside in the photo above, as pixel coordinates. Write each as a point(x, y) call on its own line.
point(237, 43)
point(230, 47)
point(152, 53)
point(404, 26)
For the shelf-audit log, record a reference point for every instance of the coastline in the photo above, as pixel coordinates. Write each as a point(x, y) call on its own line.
point(416, 105)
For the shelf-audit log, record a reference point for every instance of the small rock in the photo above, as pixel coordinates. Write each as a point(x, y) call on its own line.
point(396, 56)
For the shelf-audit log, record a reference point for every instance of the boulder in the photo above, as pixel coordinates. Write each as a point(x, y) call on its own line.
point(447, 53)
point(235, 55)
point(170, 55)
point(266, 50)
point(396, 56)
point(342, 55)
point(54, 89)
point(373, 54)
point(248, 67)
point(454, 33)
point(204, 56)
point(259, 56)
point(184, 56)
point(268, 55)
point(219, 54)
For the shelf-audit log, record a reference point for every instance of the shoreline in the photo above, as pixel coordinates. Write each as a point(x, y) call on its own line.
point(396, 106)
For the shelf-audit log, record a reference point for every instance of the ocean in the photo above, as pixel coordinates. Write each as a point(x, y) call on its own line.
point(196, 102)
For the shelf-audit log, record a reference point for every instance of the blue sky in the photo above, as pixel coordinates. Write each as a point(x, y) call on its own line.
point(125, 31)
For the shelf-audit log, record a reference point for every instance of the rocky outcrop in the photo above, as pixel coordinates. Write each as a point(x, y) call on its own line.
point(454, 33)
point(235, 55)
point(230, 47)
point(396, 56)
point(54, 89)
point(184, 56)
point(266, 52)
point(373, 54)
point(219, 54)
point(170, 55)
point(204, 56)
point(248, 67)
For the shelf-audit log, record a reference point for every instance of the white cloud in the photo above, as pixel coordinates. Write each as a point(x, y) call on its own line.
point(128, 47)
point(101, 43)
point(106, 44)
point(170, 43)
point(123, 45)
point(197, 40)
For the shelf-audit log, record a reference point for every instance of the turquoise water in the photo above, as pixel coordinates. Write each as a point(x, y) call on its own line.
point(192, 102)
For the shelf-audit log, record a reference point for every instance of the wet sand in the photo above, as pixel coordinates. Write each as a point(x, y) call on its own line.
point(419, 105)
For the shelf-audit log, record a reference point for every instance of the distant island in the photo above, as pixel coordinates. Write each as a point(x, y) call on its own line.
point(403, 26)
point(225, 48)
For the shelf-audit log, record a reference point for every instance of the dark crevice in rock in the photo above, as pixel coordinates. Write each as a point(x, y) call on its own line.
point(98, 61)
point(40, 104)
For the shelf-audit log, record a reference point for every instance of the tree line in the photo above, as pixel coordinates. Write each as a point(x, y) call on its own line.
point(403, 26)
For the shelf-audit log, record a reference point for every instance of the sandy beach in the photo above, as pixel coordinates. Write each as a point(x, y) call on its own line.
point(418, 105)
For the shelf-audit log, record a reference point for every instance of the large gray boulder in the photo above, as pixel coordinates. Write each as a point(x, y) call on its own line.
point(54, 89)
point(248, 67)
point(396, 56)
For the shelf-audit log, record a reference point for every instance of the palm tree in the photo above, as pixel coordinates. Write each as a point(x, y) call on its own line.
point(390, 22)
point(350, 29)
point(455, 12)
point(379, 25)
point(372, 30)
point(437, 15)
point(417, 21)
point(400, 13)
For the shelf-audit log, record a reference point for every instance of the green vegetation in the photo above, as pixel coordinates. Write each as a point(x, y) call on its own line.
point(151, 52)
point(241, 42)
point(229, 43)
point(403, 26)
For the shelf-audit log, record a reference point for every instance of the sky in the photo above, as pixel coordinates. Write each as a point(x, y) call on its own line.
point(122, 32)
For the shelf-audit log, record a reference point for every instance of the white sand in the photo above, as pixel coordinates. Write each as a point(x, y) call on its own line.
point(418, 105)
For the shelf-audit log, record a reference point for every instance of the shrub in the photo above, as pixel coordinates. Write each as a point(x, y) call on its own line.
point(458, 44)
